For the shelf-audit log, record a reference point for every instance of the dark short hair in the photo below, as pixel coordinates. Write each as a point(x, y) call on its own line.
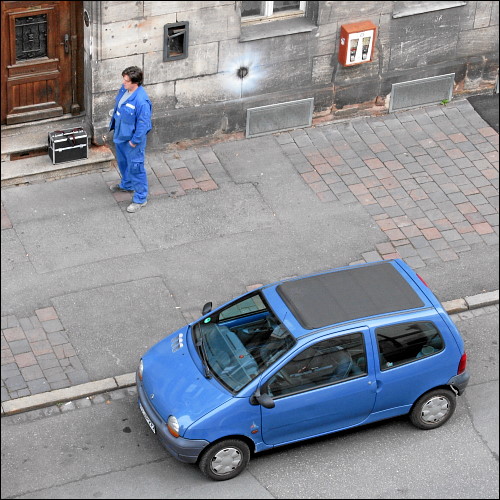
point(135, 74)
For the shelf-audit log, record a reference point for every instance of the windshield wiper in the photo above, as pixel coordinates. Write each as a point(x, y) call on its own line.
point(203, 354)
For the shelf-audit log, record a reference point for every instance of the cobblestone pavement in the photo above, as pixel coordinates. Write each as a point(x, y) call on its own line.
point(37, 355)
point(177, 173)
point(428, 177)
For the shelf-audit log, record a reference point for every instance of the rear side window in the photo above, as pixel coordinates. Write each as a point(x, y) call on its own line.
point(406, 342)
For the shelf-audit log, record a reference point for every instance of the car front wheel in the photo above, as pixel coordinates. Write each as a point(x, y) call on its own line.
point(225, 459)
point(433, 409)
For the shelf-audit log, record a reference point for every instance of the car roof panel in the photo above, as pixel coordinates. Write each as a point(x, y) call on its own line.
point(347, 294)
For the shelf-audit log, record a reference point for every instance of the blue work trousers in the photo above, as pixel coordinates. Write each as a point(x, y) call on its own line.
point(131, 164)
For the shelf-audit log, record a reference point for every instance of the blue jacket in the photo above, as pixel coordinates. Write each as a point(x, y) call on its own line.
point(132, 121)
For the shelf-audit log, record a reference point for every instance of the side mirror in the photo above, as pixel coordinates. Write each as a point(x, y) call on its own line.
point(266, 401)
point(262, 399)
point(206, 308)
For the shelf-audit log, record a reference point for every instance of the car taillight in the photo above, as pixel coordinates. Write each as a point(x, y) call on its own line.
point(420, 278)
point(462, 364)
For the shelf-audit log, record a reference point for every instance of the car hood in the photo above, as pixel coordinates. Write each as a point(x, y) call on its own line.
point(174, 384)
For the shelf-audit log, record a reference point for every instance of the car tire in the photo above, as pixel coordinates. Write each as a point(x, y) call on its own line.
point(225, 459)
point(433, 409)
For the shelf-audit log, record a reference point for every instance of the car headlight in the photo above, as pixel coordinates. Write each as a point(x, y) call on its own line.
point(140, 369)
point(173, 426)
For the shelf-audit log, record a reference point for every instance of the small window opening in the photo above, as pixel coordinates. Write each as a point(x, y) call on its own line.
point(175, 41)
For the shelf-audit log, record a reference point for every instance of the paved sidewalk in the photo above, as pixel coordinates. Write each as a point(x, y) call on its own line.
point(421, 185)
point(428, 177)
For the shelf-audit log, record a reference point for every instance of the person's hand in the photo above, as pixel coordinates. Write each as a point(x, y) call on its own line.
point(132, 144)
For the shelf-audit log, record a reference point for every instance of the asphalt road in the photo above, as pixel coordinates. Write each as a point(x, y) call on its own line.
point(487, 107)
point(106, 450)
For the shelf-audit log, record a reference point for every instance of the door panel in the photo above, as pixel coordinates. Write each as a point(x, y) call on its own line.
point(318, 411)
point(37, 59)
point(338, 388)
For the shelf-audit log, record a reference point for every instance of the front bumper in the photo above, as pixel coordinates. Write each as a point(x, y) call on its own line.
point(184, 450)
point(459, 382)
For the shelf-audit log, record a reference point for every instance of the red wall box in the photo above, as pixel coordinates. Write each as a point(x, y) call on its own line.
point(356, 43)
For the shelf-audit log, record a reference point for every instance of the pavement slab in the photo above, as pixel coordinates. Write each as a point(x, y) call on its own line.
point(77, 238)
point(201, 217)
point(109, 339)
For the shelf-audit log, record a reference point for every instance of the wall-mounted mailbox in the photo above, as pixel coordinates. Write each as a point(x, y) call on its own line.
point(356, 43)
point(175, 42)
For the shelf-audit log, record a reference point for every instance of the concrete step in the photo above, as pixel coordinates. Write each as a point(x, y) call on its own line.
point(32, 136)
point(40, 168)
point(30, 139)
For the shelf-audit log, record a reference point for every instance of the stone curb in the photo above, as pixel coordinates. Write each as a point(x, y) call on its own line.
point(80, 391)
point(482, 299)
point(50, 398)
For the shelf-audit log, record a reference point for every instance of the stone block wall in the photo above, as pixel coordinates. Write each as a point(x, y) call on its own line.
point(202, 95)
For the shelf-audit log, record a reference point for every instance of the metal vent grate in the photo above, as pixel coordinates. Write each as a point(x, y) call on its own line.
point(278, 117)
point(421, 92)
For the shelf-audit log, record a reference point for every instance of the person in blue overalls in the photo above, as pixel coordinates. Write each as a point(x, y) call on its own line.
point(131, 122)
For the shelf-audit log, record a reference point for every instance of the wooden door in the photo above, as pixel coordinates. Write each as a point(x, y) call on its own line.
point(39, 60)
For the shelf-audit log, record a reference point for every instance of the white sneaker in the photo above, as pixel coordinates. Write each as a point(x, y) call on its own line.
point(135, 207)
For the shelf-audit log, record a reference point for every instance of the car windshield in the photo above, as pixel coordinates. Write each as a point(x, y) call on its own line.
point(240, 341)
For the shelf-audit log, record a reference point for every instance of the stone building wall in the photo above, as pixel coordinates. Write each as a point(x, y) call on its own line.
point(202, 95)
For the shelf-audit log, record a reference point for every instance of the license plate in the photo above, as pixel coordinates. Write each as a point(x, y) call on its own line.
point(148, 420)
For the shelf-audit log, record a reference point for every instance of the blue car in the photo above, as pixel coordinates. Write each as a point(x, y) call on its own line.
point(302, 358)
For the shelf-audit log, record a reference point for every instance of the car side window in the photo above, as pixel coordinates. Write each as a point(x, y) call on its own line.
point(327, 362)
point(406, 342)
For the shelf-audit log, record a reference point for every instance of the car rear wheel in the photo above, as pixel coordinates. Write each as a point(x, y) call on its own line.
point(225, 459)
point(433, 409)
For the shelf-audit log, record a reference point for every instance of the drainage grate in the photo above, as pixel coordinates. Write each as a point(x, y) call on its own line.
point(278, 117)
point(420, 92)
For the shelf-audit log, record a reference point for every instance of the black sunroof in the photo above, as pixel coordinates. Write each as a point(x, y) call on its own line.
point(339, 296)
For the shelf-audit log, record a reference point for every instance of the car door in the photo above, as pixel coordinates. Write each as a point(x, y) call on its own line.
point(329, 385)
